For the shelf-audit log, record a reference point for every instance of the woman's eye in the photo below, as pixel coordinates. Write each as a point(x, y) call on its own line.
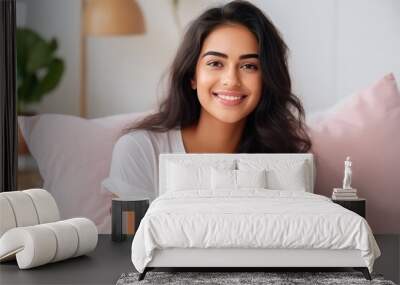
point(250, 66)
point(214, 64)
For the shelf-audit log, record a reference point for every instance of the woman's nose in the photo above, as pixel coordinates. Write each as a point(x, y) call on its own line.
point(230, 78)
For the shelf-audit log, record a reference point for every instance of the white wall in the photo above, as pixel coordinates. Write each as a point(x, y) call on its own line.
point(368, 42)
point(337, 47)
point(308, 28)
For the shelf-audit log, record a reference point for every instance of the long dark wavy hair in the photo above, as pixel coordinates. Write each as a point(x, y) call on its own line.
point(276, 125)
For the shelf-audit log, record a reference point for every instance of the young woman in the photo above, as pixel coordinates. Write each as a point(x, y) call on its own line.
point(229, 92)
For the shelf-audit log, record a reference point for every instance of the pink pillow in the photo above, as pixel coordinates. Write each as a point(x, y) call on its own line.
point(74, 155)
point(365, 126)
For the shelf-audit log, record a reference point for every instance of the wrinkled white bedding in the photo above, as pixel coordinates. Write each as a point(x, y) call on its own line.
point(250, 218)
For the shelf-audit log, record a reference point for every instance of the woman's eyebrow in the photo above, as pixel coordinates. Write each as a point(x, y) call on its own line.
point(249, 55)
point(220, 54)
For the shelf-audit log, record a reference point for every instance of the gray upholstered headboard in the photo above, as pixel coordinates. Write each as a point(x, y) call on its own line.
point(209, 157)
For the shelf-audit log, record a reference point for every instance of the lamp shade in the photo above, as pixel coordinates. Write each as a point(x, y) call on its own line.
point(113, 17)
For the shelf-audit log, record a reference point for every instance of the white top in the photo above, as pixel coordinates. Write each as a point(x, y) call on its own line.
point(134, 164)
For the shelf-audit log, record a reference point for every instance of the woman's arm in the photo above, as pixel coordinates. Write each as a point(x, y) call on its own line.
point(132, 167)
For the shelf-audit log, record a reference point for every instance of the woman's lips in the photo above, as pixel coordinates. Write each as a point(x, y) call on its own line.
point(224, 98)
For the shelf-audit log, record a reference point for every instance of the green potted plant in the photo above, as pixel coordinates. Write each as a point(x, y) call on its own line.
point(39, 71)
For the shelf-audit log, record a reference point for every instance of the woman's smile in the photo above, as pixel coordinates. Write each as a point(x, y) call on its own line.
point(229, 98)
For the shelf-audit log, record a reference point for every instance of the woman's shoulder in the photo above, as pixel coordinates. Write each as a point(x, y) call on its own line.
point(133, 140)
point(134, 136)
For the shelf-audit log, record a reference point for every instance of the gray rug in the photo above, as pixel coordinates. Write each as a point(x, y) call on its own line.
point(270, 278)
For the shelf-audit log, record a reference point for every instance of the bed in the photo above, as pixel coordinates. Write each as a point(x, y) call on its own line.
point(245, 211)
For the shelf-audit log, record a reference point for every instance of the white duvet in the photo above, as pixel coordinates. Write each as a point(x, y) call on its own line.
point(250, 218)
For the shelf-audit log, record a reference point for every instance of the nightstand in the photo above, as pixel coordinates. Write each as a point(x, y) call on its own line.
point(357, 206)
point(119, 206)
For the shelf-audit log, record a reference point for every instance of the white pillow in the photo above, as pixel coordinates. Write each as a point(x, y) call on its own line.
point(183, 178)
point(223, 179)
point(251, 178)
point(293, 178)
point(237, 179)
point(186, 174)
point(281, 174)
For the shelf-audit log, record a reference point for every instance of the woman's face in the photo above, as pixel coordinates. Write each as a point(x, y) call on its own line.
point(228, 74)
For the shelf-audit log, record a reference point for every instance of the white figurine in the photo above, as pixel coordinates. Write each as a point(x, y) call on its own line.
point(347, 174)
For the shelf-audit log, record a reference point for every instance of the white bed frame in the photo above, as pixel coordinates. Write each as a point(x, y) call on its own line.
point(251, 258)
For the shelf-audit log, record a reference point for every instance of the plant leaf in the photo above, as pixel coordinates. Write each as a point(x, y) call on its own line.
point(35, 57)
point(50, 80)
point(25, 40)
point(24, 91)
point(53, 45)
point(40, 56)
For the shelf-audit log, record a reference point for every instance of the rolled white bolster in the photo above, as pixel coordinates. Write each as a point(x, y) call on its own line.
point(33, 246)
point(67, 239)
point(23, 208)
point(45, 205)
point(87, 233)
point(40, 244)
point(7, 218)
